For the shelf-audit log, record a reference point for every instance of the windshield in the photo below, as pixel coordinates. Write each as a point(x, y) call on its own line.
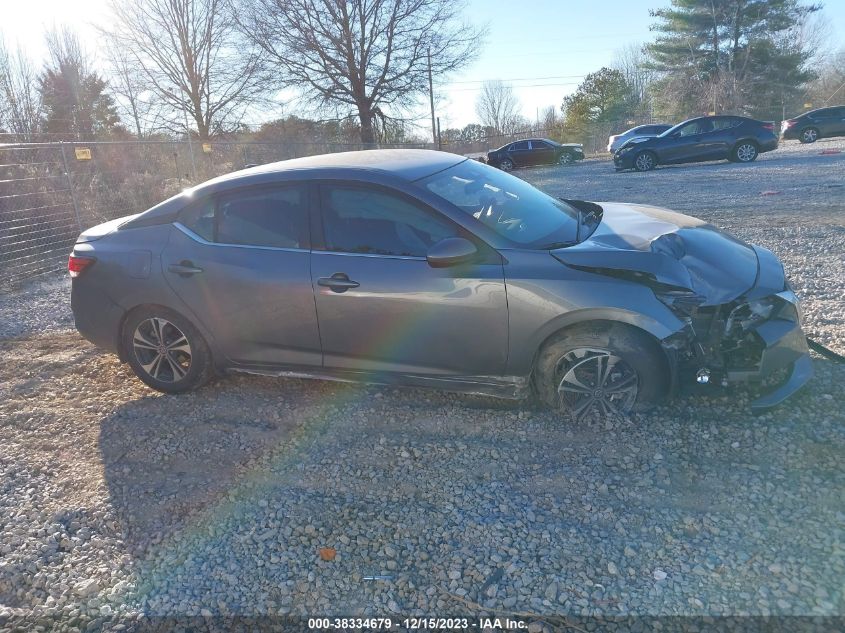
point(510, 206)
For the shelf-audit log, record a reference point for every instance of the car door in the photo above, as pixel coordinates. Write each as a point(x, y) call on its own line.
point(383, 308)
point(685, 145)
point(718, 143)
point(542, 153)
point(838, 122)
point(240, 262)
point(520, 153)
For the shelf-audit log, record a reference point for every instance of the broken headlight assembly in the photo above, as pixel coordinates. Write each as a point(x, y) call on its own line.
point(678, 300)
point(746, 316)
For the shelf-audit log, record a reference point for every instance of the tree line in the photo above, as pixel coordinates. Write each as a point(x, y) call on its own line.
point(761, 58)
point(361, 66)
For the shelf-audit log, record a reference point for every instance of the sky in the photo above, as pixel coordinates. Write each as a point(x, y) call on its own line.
point(543, 48)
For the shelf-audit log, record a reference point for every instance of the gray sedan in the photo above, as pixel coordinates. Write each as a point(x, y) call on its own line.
point(427, 269)
point(616, 141)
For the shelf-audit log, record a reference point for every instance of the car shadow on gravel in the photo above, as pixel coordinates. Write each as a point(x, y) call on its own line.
point(168, 457)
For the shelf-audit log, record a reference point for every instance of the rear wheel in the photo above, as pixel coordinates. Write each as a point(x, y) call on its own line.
point(601, 370)
point(645, 161)
point(745, 152)
point(165, 350)
point(810, 135)
point(506, 164)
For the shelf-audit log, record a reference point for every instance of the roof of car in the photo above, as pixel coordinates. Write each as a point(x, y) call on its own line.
point(410, 164)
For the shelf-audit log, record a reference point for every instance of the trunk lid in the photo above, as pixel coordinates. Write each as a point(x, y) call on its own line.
point(101, 230)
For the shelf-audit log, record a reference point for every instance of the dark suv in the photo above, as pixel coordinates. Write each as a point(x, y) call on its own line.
point(735, 138)
point(534, 151)
point(815, 124)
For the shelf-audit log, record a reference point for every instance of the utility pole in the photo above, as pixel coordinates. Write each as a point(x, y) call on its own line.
point(190, 146)
point(439, 140)
point(431, 99)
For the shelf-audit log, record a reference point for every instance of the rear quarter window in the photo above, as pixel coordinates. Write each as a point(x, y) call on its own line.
point(199, 218)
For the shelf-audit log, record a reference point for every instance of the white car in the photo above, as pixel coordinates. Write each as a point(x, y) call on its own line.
point(641, 131)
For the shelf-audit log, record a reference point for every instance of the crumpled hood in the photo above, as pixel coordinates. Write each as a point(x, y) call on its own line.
point(674, 249)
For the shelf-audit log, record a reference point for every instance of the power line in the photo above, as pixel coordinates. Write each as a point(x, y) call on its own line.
point(553, 85)
point(474, 81)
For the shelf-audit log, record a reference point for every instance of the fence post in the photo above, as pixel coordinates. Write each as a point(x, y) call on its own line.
point(70, 186)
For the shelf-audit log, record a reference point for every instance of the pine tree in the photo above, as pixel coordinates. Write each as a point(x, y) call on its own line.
point(741, 56)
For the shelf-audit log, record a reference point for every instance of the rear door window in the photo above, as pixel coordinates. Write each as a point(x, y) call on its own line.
point(520, 146)
point(274, 217)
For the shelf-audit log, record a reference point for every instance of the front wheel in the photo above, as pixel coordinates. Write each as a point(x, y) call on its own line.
point(745, 152)
point(602, 370)
point(165, 350)
point(506, 164)
point(646, 161)
point(810, 135)
point(566, 158)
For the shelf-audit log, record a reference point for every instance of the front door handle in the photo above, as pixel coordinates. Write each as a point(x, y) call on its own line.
point(184, 268)
point(339, 282)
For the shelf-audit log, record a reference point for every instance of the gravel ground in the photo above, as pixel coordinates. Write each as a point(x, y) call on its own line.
point(118, 501)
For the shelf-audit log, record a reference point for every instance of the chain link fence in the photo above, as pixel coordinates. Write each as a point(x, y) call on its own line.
point(50, 192)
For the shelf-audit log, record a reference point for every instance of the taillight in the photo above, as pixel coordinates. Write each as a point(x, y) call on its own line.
point(76, 264)
point(790, 122)
point(769, 126)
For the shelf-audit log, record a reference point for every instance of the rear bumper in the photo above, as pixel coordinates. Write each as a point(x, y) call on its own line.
point(769, 145)
point(97, 318)
point(791, 133)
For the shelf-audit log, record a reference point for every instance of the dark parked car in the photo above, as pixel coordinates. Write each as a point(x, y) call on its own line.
point(428, 269)
point(735, 138)
point(534, 151)
point(615, 141)
point(815, 124)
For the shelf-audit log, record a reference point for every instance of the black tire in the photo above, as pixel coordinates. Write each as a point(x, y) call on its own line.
point(506, 164)
point(809, 135)
point(566, 158)
point(648, 162)
point(182, 367)
point(744, 152)
point(635, 349)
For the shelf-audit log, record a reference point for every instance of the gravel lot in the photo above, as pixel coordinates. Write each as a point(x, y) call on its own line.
point(117, 501)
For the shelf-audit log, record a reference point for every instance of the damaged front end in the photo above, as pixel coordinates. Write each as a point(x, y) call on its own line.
point(742, 321)
point(746, 340)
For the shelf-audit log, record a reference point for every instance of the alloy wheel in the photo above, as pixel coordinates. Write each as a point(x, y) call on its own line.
point(506, 164)
point(596, 381)
point(644, 162)
point(810, 135)
point(746, 152)
point(565, 159)
point(162, 349)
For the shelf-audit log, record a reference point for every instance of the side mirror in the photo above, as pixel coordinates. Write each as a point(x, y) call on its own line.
point(451, 252)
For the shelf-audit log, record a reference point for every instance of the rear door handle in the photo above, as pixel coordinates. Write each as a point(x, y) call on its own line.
point(184, 269)
point(339, 282)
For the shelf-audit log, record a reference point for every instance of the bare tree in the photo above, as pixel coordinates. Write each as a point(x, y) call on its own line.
point(20, 101)
point(193, 58)
point(132, 91)
point(632, 61)
point(368, 56)
point(498, 107)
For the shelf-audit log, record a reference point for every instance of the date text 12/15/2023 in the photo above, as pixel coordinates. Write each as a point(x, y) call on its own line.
point(421, 623)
